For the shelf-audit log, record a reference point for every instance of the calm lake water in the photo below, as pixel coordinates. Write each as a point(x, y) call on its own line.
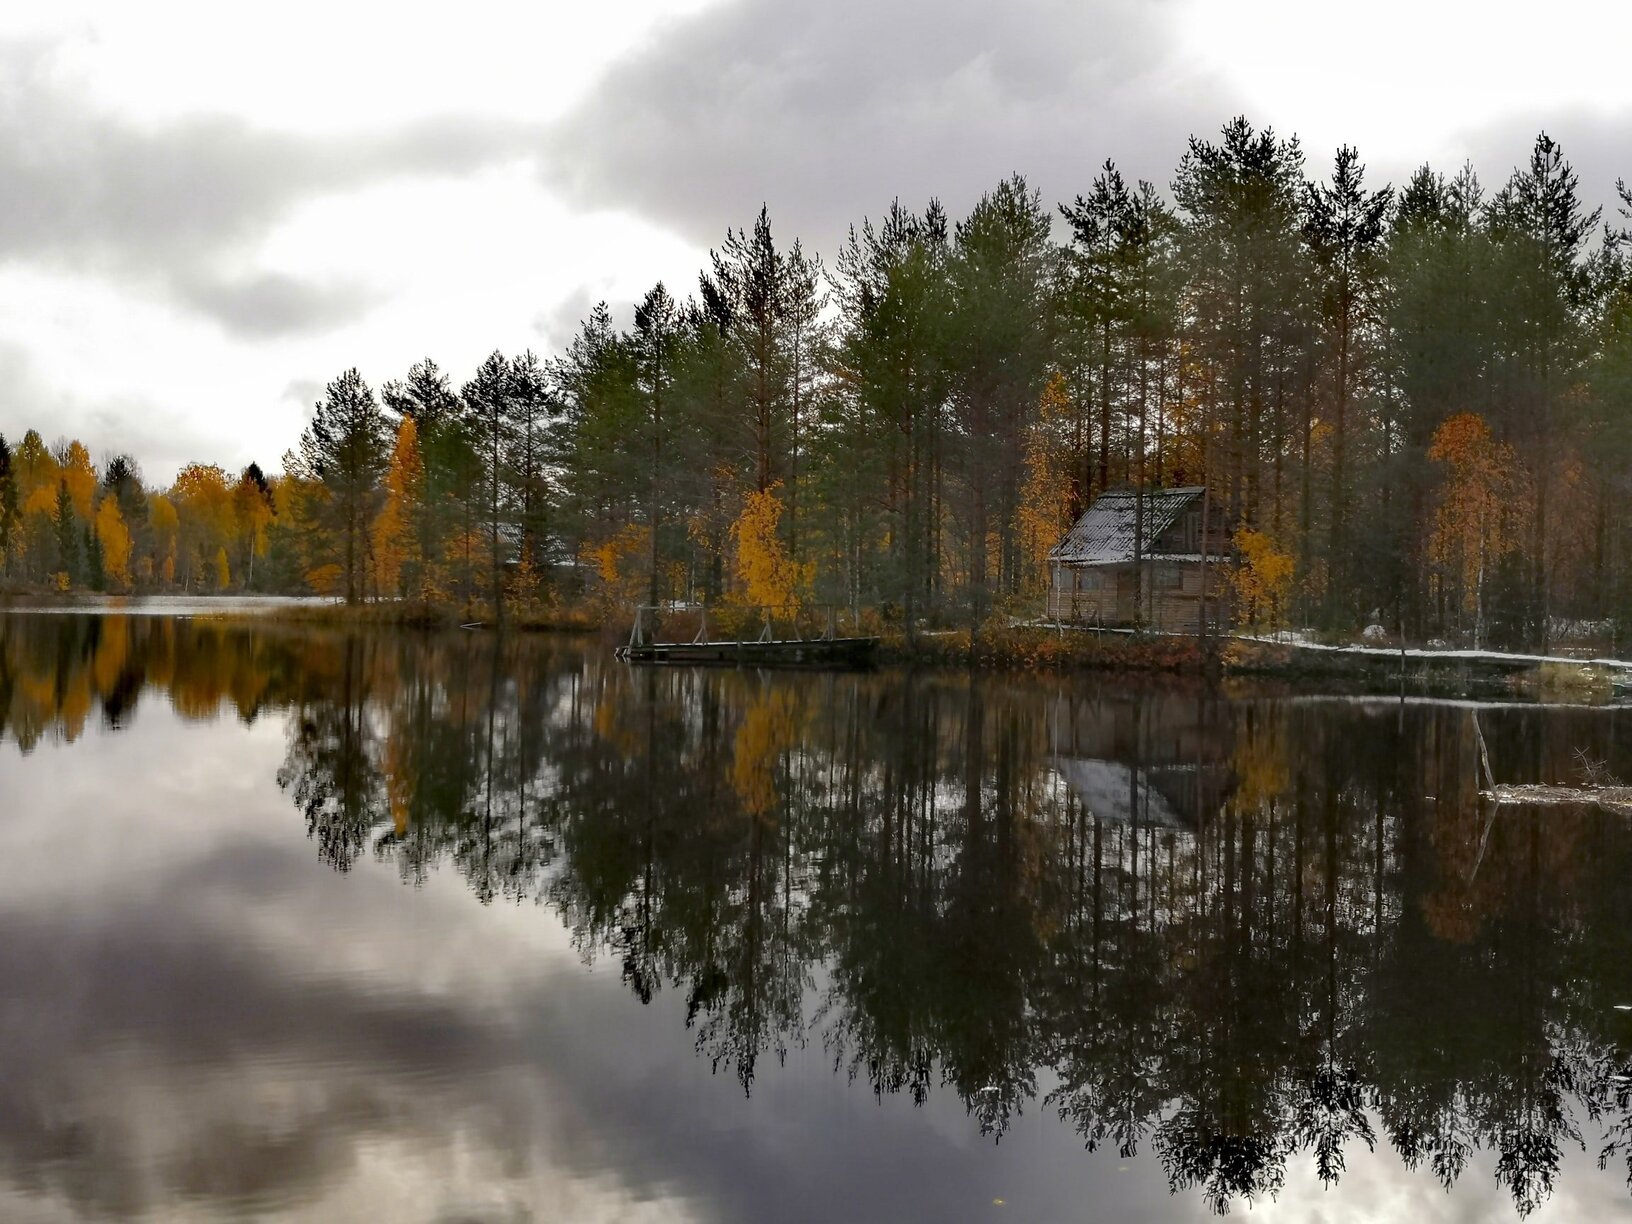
point(301, 925)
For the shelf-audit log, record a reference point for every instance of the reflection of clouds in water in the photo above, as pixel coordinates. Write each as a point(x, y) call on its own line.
point(220, 1017)
point(226, 1024)
point(352, 1143)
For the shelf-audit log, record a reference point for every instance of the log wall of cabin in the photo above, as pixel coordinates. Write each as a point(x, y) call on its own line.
point(1172, 596)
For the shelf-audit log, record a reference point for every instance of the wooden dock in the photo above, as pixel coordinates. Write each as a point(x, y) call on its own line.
point(796, 652)
point(828, 650)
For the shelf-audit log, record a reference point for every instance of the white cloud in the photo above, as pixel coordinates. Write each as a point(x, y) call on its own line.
point(1407, 81)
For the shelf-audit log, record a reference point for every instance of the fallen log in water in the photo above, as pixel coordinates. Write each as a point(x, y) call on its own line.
point(1611, 798)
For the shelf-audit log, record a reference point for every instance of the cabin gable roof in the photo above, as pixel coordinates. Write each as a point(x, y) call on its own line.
point(1104, 533)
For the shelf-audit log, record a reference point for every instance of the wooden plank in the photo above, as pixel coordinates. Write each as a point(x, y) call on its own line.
point(812, 652)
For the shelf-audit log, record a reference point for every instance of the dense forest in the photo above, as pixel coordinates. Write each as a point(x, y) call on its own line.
point(1410, 404)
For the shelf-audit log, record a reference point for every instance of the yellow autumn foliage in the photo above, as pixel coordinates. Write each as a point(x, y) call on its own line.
point(396, 536)
point(768, 729)
point(165, 525)
point(618, 561)
point(768, 576)
point(1473, 528)
point(1263, 580)
point(114, 537)
point(80, 476)
point(1045, 497)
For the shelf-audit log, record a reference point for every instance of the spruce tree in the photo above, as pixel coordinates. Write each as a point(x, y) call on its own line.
point(67, 560)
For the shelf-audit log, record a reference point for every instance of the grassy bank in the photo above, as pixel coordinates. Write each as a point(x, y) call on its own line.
point(1048, 650)
point(1040, 649)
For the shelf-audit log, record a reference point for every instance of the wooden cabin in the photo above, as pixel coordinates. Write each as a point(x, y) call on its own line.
point(1093, 579)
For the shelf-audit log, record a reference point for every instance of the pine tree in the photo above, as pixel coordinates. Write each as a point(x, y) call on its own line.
point(606, 468)
point(805, 348)
point(487, 397)
point(887, 420)
point(452, 474)
point(1440, 332)
point(1001, 267)
point(8, 509)
point(1244, 271)
point(1541, 229)
point(1344, 228)
point(1095, 301)
point(344, 451)
point(1610, 409)
point(532, 413)
point(654, 343)
point(751, 275)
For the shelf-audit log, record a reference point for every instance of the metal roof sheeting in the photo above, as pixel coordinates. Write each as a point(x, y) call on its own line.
point(1104, 533)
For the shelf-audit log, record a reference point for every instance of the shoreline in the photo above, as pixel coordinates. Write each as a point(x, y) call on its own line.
point(1374, 670)
point(1017, 649)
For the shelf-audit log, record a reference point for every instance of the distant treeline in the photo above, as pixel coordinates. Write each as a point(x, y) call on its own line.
point(1412, 404)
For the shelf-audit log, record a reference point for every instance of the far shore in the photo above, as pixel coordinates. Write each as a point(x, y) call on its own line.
point(1016, 647)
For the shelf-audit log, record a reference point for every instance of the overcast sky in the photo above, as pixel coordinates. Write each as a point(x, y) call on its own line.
point(208, 210)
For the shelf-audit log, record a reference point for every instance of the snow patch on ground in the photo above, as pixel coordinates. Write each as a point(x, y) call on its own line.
point(1303, 640)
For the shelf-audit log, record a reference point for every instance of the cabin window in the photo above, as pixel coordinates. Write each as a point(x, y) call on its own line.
point(1192, 531)
point(1087, 580)
point(1168, 578)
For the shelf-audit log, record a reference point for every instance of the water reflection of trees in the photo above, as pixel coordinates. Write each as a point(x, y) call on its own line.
point(1231, 932)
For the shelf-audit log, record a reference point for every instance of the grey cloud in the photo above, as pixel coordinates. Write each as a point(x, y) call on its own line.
point(1595, 144)
point(557, 326)
point(270, 304)
point(303, 391)
point(829, 111)
point(168, 204)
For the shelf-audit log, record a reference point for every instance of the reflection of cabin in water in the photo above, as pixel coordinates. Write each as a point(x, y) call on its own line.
point(1094, 578)
point(1156, 760)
